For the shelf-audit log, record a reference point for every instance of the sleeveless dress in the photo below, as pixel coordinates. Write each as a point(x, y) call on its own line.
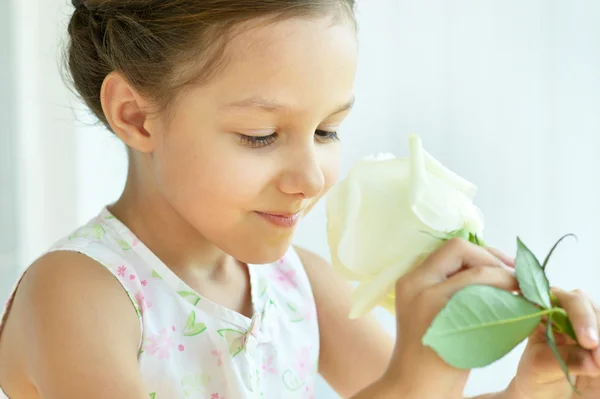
point(192, 348)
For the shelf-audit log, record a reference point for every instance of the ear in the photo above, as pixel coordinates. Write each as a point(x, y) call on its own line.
point(126, 112)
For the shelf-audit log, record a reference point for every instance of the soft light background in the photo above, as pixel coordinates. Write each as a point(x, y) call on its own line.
point(505, 93)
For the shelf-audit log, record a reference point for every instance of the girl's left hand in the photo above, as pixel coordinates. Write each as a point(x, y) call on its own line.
point(539, 375)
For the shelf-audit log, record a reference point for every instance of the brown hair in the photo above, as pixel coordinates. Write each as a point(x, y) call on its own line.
point(153, 43)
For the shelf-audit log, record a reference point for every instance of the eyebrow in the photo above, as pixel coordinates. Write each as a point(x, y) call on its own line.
point(272, 106)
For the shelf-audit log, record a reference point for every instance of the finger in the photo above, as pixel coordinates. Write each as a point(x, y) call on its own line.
point(582, 315)
point(578, 360)
point(507, 260)
point(453, 256)
point(484, 275)
point(596, 352)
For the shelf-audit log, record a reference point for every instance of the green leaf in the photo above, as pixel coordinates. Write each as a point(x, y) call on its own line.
point(479, 325)
point(532, 279)
point(463, 233)
point(563, 325)
point(474, 239)
point(554, 247)
point(153, 395)
point(552, 344)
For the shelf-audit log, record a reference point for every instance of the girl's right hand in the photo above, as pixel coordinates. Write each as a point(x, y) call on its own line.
point(417, 371)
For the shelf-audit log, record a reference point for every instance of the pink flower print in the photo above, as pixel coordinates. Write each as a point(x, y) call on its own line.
point(132, 276)
point(219, 355)
point(121, 270)
point(216, 395)
point(160, 344)
point(285, 278)
point(309, 392)
point(173, 328)
point(267, 365)
point(181, 348)
point(302, 364)
point(144, 283)
point(143, 302)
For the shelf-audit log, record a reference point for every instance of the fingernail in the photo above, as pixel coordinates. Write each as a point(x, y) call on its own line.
point(592, 334)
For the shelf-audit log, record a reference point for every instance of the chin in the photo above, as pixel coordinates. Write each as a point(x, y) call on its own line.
point(263, 253)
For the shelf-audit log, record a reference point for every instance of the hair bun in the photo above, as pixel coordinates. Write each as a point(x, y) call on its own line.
point(77, 3)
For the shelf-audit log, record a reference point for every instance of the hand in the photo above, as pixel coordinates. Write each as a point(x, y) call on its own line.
point(416, 370)
point(539, 374)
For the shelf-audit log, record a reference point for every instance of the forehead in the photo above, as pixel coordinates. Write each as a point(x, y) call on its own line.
point(300, 62)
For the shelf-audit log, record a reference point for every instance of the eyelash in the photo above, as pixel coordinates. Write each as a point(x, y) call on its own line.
point(264, 141)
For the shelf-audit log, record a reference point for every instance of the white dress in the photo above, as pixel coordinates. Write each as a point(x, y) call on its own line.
point(191, 347)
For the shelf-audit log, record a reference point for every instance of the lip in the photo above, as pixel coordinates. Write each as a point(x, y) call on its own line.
point(283, 219)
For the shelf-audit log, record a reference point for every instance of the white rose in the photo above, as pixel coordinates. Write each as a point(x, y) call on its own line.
point(389, 213)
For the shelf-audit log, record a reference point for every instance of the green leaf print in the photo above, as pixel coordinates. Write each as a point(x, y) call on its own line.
point(191, 327)
point(124, 245)
point(95, 231)
point(156, 275)
point(291, 380)
point(261, 287)
point(98, 231)
point(190, 296)
point(295, 318)
point(233, 338)
point(195, 384)
point(272, 303)
point(153, 395)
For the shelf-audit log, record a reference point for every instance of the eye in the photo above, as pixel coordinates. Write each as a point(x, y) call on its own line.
point(324, 135)
point(258, 141)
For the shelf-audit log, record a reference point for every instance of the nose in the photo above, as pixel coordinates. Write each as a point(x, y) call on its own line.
point(303, 174)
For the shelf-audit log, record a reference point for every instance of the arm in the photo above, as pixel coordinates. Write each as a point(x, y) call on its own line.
point(354, 353)
point(77, 330)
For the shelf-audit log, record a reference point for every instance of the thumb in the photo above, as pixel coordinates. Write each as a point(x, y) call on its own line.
point(579, 361)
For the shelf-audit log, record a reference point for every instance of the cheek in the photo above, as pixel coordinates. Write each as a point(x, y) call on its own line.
point(208, 174)
point(330, 166)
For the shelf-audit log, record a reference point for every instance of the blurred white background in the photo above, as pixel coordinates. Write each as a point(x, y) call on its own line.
point(505, 93)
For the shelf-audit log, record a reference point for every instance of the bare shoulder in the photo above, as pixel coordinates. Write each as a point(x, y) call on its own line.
point(347, 371)
point(64, 284)
point(310, 260)
point(324, 281)
point(66, 301)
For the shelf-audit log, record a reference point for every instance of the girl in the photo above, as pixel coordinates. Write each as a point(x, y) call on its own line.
point(187, 286)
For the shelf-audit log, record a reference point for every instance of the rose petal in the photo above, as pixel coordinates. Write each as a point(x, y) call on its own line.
point(375, 234)
point(371, 293)
point(368, 294)
point(340, 209)
point(435, 198)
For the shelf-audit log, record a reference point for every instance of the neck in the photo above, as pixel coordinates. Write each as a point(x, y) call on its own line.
point(166, 233)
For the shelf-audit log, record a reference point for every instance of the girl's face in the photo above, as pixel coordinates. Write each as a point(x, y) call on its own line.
point(248, 154)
